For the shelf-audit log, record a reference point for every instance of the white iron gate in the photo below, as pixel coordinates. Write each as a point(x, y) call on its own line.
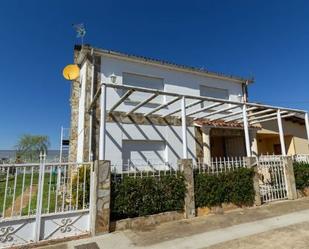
point(272, 178)
point(43, 201)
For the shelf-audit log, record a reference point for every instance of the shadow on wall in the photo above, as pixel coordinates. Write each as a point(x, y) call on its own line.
point(142, 135)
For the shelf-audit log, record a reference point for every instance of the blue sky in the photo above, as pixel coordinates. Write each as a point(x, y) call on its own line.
point(265, 39)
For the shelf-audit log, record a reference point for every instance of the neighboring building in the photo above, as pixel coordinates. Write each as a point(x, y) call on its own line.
point(296, 141)
point(136, 134)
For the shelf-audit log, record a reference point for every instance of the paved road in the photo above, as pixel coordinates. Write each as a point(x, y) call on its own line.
point(279, 225)
point(290, 237)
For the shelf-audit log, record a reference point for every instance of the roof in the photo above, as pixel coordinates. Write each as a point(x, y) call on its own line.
point(166, 63)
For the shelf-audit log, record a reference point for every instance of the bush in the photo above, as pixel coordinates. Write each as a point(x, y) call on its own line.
point(231, 187)
point(78, 196)
point(301, 172)
point(140, 196)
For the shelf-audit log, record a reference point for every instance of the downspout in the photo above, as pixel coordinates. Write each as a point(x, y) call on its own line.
point(245, 91)
point(91, 111)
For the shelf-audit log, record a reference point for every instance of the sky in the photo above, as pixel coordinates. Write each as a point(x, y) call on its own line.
point(264, 39)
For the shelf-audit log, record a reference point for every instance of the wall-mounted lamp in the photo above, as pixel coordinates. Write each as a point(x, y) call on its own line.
point(239, 97)
point(113, 78)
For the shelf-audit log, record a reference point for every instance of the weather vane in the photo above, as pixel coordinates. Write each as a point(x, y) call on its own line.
point(80, 30)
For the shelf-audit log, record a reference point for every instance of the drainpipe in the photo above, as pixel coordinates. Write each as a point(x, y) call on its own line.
point(245, 91)
point(91, 111)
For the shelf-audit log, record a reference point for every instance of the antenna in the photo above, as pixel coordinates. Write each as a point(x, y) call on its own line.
point(80, 30)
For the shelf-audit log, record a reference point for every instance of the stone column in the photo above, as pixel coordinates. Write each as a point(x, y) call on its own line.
point(290, 178)
point(100, 198)
point(206, 145)
point(254, 147)
point(251, 162)
point(186, 166)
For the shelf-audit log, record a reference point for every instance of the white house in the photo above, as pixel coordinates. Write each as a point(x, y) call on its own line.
point(139, 111)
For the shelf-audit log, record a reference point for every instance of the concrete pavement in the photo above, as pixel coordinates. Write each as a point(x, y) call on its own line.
point(278, 225)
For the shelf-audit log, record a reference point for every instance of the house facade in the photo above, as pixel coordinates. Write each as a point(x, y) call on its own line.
point(143, 127)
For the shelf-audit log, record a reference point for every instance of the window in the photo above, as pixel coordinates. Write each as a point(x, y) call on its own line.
point(143, 81)
point(141, 153)
point(213, 92)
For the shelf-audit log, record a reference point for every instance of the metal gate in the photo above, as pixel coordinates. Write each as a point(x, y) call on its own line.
point(272, 178)
point(43, 201)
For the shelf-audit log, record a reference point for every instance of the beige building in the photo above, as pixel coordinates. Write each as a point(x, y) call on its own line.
point(295, 137)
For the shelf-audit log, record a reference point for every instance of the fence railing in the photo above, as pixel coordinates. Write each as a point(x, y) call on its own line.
point(26, 189)
point(301, 158)
point(134, 169)
point(220, 164)
point(139, 169)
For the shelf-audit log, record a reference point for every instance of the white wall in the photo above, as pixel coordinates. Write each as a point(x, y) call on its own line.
point(171, 135)
point(174, 81)
point(81, 115)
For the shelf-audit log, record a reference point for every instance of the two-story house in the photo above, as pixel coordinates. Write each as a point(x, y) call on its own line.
point(139, 111)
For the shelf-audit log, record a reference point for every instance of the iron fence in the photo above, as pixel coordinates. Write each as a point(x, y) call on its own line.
point(218, 165)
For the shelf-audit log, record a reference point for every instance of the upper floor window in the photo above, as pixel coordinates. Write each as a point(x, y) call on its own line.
point(138, 80)
point(213, 92)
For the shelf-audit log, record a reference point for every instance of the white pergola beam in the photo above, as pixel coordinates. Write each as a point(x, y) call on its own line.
point(102, 140)
point(236, 113)
point(142, 103)
point(204, 109)
point(163, 105)
point(255, 113)
point(223, 101)
point(259, 112)
point(184, 128)
point(123, 98)
point(246, 130)
point(266, 116)
point(281, 134)
point(187, 106)
point(274, 118)
point(218, 111)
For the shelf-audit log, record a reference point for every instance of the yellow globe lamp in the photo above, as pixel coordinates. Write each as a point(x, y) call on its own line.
point(71, 72)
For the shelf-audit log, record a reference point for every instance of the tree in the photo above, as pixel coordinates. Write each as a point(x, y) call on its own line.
point(29, 146)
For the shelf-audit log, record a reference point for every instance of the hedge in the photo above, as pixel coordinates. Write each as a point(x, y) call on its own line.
point(301, 172)
point(140, 196)
point(231, 187)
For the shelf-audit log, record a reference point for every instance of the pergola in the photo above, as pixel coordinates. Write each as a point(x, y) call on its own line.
point(191, 106)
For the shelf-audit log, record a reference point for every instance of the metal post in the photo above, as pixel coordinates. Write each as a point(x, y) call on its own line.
point(37, 231)
point(307, 125)
point(281, 135)
point(102, 142)
point(246, 130)
point(184, 127)
point(91, 111)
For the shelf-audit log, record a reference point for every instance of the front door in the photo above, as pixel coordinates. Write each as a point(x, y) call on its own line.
point(277, 149)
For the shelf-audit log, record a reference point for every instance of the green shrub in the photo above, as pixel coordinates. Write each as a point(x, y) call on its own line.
point(230, 187)
point(301, 172)
point(140, 196)
point(78, 181)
